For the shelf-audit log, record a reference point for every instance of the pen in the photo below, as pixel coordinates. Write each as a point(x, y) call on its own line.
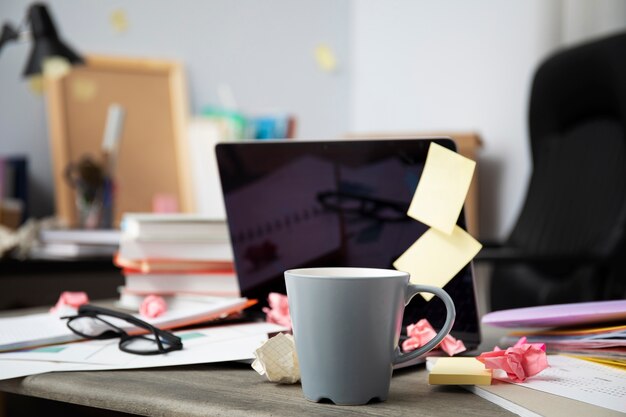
point(110, 149)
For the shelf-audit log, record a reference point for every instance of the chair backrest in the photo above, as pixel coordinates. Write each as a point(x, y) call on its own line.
point(576, 199)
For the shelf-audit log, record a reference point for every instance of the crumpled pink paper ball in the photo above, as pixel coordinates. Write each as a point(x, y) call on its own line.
point(278, 311)
point(72, 299)
point(522, 341)
point(422, 332)
point(520, 361)
point(152, 306)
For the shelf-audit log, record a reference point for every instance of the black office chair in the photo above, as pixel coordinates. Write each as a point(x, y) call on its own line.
point(568, 244)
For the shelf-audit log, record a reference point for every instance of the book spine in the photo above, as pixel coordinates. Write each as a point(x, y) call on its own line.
point(188, 251)
point(193, 283)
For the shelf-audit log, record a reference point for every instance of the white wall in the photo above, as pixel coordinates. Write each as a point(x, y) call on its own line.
point(583, 19)
point(456, 65)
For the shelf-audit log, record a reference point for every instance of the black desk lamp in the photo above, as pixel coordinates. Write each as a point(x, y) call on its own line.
point(46, 41)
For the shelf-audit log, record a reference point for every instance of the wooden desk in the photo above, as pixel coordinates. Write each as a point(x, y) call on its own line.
point(234, 389)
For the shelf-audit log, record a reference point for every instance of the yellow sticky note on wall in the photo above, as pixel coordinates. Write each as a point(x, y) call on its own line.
point(119, 21)
point(440, 194)
point(325, 58)
point(83, 89)
point(435, 258)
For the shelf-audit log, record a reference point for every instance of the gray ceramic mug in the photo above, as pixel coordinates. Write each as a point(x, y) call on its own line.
point(347, 323)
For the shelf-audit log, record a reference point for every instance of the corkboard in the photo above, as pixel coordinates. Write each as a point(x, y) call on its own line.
point(152, 157)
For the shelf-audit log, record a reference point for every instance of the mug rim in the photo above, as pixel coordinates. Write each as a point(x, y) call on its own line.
point(343, 272)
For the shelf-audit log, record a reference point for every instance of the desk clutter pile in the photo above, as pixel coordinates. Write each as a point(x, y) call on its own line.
point(586, 347)
point(585, 342)
point(527, 367)
point(75, 335)
point(593, 331)
point(184, 261)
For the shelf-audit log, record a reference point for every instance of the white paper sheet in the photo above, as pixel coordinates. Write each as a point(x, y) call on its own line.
point(18, 332)
point(67, 353)
point(16, 368)
point(583, 381)
point(209, 345)
point(41, 329)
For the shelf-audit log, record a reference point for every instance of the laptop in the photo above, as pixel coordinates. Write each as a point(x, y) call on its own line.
point(298, 204)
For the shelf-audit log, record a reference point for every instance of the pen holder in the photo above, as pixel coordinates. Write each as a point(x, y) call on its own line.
point(95, 206)
point(94, 194)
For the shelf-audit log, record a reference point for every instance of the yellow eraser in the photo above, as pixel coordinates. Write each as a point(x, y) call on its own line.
point(459, 371)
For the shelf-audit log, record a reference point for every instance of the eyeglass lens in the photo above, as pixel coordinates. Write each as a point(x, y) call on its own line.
point(96, 327)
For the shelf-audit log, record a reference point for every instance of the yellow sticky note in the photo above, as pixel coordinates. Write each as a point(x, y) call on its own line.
point(83, 89)
point(36, 84)
point(119, 21)
point(440, 194)
point(325, 58)
point(435, 258)
point(459, 371)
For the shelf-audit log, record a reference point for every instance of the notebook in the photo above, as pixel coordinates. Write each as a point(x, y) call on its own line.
point(295, 204)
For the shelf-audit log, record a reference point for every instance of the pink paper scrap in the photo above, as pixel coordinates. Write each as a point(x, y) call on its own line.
point(152, 306)
point(278, 311)
point(73, 299)
point(520, 361)
point(422, 332)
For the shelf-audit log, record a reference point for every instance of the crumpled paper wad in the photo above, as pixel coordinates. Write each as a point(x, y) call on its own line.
point(278, 310)
point(422, 332)
point(277, 360)
point(152, 306)
point(68, 302)
point(520, 361)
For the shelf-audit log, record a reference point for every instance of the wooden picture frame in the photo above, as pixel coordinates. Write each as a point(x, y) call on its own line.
point(152, 157)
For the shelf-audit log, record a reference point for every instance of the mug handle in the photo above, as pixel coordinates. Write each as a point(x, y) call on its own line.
point(412, 290)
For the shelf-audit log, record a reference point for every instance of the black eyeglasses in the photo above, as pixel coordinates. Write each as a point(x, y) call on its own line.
point(380, 210)
point(93, 322)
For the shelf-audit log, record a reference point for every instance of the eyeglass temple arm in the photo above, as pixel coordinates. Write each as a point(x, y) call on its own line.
point(89, 309)
point(324, 196)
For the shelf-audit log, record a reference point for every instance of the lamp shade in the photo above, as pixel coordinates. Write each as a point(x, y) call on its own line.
point(7, 34)
point(46, 41)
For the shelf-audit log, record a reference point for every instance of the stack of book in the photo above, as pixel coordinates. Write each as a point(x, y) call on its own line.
point(174, 255)
point(75, 244)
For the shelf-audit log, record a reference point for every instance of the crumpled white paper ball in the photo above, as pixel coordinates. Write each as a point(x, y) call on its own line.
point(277, 360)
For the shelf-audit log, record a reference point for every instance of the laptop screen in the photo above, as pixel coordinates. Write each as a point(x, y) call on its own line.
point(297, 204)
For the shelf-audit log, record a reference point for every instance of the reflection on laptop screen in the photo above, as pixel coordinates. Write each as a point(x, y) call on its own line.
point(330, 203)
